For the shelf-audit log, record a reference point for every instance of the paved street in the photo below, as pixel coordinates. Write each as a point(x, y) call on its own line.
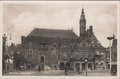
point(59, 73)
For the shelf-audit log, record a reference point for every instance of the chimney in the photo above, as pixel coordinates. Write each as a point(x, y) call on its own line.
point(91, 29)
point(22, 39)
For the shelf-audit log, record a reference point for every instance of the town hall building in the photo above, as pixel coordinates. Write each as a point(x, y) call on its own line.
point(59, 48)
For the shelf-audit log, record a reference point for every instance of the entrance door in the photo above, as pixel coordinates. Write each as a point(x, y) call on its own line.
point(42, 60)
point(90, 66)
point(68, 65)
point(77, 65)
point(62, 66)
point(83, 66)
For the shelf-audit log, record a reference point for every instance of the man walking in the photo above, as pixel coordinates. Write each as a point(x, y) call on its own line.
point(66, 70)
point(78, 70)
point(39, 68)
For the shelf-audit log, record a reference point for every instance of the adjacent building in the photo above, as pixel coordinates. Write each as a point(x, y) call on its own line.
point(113, 54)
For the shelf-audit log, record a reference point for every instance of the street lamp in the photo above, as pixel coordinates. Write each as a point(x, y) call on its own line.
point(92, 44)
point(110, 38)
point(86, 60)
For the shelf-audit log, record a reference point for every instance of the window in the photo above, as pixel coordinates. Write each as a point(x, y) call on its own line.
point(43, 47)
point(30, 54)
point(54, 54)
point(90, 55)
point(83, 55)
point(46, 47)
point(80, 56)
point(64, 56)
point(29, 44)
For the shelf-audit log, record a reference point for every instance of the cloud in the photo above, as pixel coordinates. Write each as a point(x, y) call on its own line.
point(26, 22)
point(55, 16)
point(104, 27)
point(105, 19)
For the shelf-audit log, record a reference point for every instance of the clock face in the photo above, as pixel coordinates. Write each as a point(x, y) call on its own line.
point(83, 44)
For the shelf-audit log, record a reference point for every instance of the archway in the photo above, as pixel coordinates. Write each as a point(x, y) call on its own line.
point(42, 62)
point(90, 66)
point(77, 65)
point(42, 59)
point(62, 66)
point(83, 66)
point(68, 65)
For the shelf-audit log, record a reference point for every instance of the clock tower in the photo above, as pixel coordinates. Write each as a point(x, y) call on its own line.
point(82, 23)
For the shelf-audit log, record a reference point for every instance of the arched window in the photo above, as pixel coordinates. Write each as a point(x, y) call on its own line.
point(42, 59)
point(90, 65)
point(77, 65)
point(62, 66)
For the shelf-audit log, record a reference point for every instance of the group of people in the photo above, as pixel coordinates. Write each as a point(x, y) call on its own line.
point(66, 69)
point(42, 67)
point(26, 66)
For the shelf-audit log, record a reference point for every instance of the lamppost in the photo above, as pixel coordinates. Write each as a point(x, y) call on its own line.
point(92, 44)
point(86, 60)
point(107, 58)
point(110, 38)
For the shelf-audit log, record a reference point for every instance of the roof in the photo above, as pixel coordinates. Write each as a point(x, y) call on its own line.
point(95, 41)
point(39, 32)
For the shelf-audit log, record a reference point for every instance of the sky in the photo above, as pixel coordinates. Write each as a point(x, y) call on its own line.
point(19, 19)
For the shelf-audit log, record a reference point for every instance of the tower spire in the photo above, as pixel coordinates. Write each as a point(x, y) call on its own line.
point(82, 23)
point(82, 6)
point(82, 9)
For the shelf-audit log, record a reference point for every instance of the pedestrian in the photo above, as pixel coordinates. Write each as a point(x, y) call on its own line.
point(103, 68)
point(55, 67)
point(78, 70)
point(91, 68)
point(39, 68)
point(66, 70)
point(114, 71)
point(29, 66)
point(25, 66)
point(8, 68)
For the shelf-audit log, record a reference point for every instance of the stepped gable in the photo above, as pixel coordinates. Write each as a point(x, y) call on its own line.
point(95, 41)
